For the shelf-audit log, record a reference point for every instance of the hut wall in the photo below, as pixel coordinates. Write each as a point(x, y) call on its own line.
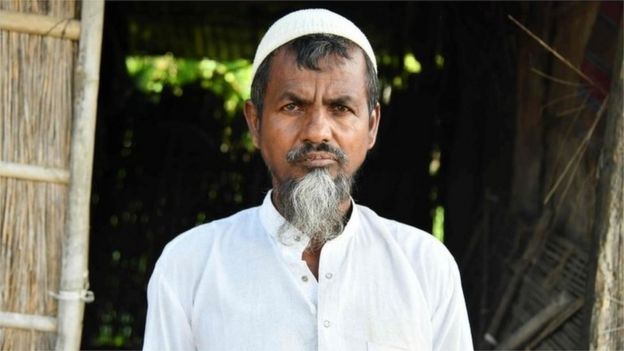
point(36, 75)
point(559, 138)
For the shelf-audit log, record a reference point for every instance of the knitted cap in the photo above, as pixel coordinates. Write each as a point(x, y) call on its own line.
point(312, 21)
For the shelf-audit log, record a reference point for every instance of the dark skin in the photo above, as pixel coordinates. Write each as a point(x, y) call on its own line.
point(312, 259)
point(308, 106)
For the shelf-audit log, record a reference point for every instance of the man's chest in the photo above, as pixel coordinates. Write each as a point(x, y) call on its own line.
point(273, 304)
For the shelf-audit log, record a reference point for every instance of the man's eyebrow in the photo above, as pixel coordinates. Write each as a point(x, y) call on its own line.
point(340, 100)
point(290, 96)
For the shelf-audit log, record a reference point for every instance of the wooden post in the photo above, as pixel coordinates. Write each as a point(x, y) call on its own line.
point(607, 321)
point(74, 272)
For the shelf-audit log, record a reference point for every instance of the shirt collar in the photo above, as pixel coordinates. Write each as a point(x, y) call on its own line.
point(293, 240)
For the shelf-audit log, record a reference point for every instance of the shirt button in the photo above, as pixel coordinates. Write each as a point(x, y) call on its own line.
point(297, 238)
point(329, 275)
point(304, 278)
point(326, 324)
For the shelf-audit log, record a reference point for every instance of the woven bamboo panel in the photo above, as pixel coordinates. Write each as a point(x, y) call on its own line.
point(561, 266)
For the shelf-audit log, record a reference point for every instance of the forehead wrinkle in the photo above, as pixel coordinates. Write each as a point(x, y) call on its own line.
point(329, 84)
point(328, 98)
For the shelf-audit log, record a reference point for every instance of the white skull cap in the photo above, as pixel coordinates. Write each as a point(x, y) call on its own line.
point(311, 21)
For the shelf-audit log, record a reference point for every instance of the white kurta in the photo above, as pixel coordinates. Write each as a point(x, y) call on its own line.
point(232, 285)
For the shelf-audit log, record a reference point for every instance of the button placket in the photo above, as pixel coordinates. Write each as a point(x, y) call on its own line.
point(328, 323)
point(330, 283)
point(308, 285)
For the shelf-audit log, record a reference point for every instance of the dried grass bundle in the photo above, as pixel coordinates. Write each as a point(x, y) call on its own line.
point(36, 75)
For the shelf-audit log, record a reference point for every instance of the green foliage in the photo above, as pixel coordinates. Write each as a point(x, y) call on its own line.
point(411, 64)
point(230, 79)
point(439, 61)
point(395, 72)
point(438, 223)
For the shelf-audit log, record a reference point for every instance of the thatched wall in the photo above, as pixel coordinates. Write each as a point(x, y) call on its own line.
point(36, 75)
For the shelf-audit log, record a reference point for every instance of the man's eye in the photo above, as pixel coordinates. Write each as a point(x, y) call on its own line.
point(341, 109)
point(291, 107)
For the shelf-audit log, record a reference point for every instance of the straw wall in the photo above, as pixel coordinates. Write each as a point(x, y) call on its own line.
point(35, 123)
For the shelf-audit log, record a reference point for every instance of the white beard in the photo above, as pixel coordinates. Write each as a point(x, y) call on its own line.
point(311, 205)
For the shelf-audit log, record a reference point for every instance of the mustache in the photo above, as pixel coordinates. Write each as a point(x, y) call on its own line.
point(300, 153)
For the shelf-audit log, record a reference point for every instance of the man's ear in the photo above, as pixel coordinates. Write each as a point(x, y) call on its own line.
point(373, 125)
point(253, 122)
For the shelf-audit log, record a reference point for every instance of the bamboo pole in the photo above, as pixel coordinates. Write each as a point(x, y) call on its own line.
point(528, 257)
point(39, 24)
point(556, 322)
point(36, 173)
point(607, 320)
point(74, 267)
point(537, 322)
point(27, 321)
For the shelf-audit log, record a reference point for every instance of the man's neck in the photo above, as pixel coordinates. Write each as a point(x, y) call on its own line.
point(312, 254)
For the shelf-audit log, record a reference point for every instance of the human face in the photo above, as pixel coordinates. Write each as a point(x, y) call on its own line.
point(304, 106)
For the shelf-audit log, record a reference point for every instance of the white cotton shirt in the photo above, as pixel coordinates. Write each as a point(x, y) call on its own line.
point(233, 285)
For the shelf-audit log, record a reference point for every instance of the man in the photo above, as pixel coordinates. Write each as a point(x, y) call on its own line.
point(308, 269)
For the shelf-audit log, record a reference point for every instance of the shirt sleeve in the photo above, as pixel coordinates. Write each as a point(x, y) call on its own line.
point(167, 325)
point(451, 328)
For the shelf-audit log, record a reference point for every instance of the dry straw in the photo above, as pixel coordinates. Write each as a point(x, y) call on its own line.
point(36, 75)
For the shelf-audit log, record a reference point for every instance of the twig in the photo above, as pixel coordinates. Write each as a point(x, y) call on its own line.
point(578, 151)
point(572, 110)
point(556, 54)
point(569, 184)
point(66, 22)
point(559, 99)
point(568, 132)
point(554, 79)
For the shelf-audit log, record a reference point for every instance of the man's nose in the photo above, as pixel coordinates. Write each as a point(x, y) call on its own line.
point(317, 127)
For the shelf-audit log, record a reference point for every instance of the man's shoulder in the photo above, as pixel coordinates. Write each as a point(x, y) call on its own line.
point(412, 240)
point(401, 231)
point(429, 258)
point(202, 237)
point(185, 259)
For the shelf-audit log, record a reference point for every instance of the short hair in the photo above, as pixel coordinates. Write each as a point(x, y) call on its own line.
point(309, 49)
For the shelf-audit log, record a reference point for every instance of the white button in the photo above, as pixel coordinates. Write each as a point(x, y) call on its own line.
point(326, 324)
point(304, 278)
point(329, 275)
point(297, 238)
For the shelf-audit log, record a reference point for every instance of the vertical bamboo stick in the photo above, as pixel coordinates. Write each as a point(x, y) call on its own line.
point(74, 273)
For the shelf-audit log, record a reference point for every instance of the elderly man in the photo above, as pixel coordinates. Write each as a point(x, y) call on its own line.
point(308, 269)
